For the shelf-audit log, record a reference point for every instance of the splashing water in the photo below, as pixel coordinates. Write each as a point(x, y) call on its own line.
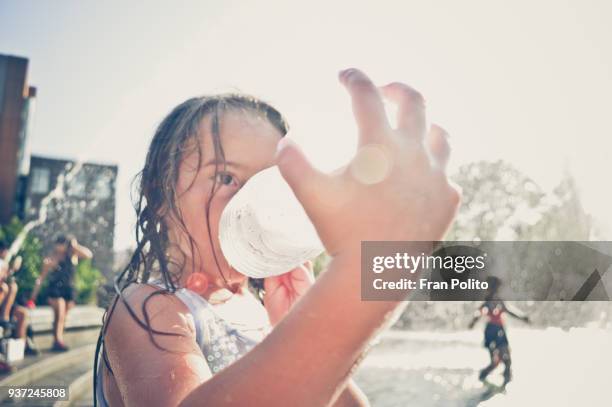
point(55, 193)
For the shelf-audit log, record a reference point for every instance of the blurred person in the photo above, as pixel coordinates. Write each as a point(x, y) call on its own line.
point(9, 310)
point(495, 338)
point(184, 330)
point(4, 271)
point(60, 266)
point(8, 286)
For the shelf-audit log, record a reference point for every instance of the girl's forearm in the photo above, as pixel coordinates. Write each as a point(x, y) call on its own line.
point(308, 358)
point(38, 283)
point(82, 251)
point(36, 289)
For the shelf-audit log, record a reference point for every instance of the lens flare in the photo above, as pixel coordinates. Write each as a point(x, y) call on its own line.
point(197, 282)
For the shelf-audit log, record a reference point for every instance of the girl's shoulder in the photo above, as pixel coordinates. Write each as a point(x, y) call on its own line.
point(149, 329)
point(149, 297)
point(142, 308)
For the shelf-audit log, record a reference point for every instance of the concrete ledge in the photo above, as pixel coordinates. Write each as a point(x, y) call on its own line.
point(77, 390)
point(81, 316)
point(47, 366)
point(74, 338)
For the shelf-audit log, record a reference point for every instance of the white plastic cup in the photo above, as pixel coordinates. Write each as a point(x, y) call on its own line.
point(264, 231)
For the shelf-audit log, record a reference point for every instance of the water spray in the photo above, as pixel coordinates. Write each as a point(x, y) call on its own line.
point(57, 192)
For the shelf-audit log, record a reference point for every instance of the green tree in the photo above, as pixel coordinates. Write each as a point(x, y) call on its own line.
point(564, 218)
point(499, 202)
point(87, 281)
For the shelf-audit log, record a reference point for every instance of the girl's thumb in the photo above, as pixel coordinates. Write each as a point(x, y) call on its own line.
point(295, 168)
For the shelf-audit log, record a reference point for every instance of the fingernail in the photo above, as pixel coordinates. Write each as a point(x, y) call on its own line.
point(344, 73)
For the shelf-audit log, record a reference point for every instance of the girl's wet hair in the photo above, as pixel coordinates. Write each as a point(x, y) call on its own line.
point(176, 137)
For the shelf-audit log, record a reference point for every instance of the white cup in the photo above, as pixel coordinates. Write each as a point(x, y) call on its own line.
point(264, 231)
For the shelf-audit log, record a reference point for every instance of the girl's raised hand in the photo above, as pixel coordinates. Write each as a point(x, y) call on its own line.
point(281, 292)
point(394, 188)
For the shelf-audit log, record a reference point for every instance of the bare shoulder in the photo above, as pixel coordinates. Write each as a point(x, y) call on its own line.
point(151, 347)
point(143, 308)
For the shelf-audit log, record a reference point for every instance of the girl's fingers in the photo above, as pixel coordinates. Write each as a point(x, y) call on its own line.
point(411, 118)
point(308, 272)
point(271, 284)
point(437, 142)
point(303, 272)
point(368, 107)
point(306, 181)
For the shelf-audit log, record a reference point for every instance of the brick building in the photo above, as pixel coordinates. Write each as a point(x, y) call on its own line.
point(16, 108)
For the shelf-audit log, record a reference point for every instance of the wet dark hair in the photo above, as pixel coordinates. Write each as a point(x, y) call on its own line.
point(64, 239)
point(176, 137)
point(494, 284)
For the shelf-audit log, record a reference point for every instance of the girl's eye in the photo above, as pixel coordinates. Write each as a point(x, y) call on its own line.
point(226, 179)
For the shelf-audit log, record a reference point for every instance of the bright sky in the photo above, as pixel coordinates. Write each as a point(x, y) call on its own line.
point(526, 81)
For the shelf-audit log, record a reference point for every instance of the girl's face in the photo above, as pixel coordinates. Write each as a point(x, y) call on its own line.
point(249, 144)
point(60, 250)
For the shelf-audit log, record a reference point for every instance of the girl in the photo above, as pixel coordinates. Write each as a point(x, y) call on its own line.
point(496, 340)
point(62, 266)
point(183, 328)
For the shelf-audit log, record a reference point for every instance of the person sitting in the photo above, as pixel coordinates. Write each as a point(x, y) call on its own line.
point(8, 291)
point(13, 317)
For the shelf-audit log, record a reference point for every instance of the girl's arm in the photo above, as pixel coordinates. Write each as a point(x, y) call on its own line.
point(81, 251)
point(391, 190)
point(281, 293)
point(16, 265)
point(513, 314)
point(477, 316)
point(305, 361)
point(4, 270)
point(47, 265)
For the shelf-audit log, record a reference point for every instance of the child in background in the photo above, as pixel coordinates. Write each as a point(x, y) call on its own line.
point(496, 340)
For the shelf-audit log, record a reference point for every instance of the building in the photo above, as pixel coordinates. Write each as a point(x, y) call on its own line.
point(16, 109)
point(85, 208)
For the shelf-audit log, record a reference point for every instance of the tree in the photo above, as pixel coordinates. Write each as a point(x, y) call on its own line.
point(501, 203)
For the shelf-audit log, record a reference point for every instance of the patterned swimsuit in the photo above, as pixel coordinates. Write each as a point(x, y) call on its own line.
point(222, 342)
